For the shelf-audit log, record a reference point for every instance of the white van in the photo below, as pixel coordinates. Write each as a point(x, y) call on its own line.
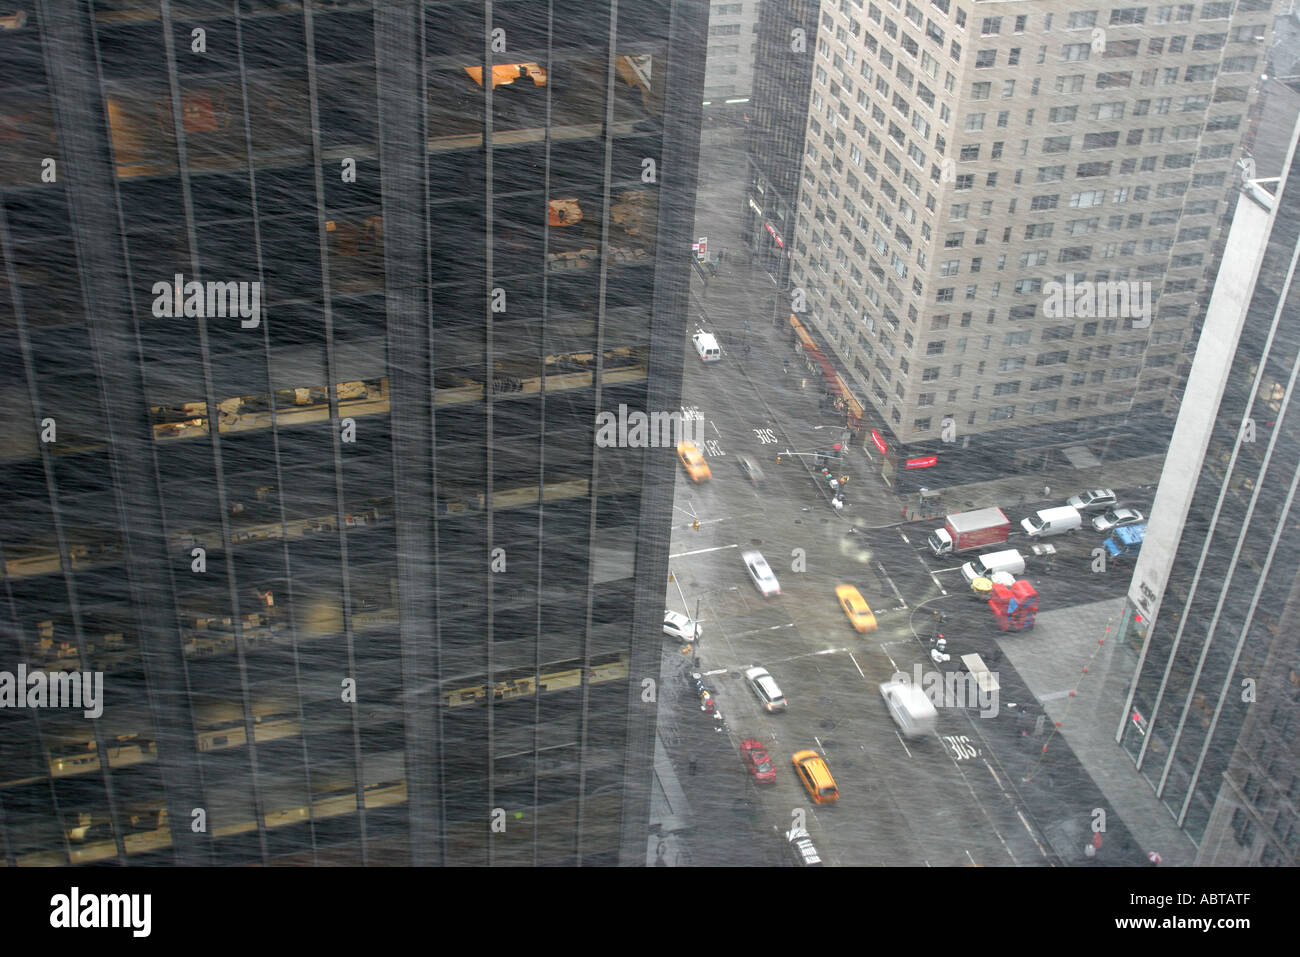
point(706, 346)
point(985, 566)
point(1052, 521)
point(909, 706)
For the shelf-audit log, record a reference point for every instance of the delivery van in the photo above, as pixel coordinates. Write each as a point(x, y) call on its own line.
point(985, 566)
point(1052, 521)
point(909, 706)
point(706, 346)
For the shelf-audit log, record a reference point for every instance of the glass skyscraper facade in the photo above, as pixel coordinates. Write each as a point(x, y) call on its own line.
point(306, 313)
point(1213, 604)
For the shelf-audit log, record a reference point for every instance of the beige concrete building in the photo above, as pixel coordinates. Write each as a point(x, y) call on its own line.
point(976, 173)
point(729, 69)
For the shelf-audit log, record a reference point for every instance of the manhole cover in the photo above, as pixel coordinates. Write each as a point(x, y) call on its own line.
point(756, 541)
point(828, 725)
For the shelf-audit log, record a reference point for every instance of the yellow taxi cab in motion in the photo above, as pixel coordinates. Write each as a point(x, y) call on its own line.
point(856, 608)
point(815, 776)
point(696, 467)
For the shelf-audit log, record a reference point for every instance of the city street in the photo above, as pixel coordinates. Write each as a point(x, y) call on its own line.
point(981, 790)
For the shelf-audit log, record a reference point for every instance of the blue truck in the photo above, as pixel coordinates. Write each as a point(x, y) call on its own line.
point(1125, 543)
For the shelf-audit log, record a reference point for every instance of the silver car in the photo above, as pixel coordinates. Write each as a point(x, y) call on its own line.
point(765, 689)
point(761, 572)
point(1093, 500)
point(1117, 518)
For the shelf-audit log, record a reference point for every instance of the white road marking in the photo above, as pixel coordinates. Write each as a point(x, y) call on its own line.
point(759, 631)
point(1040, 847)
point(806, 654)
point(856, 665)
point(971, 859)
point(893, 587)
point(688, 511)
point(980, 804)
point(903, 743)
point(819, 745)
point(701, 551)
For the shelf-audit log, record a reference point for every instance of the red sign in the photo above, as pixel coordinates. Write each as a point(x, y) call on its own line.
point(924, 462)
point(879, 441)
point(774, 235)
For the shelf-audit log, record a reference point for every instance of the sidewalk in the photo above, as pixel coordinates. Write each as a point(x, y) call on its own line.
point(1016, 490)
point(1087, 706)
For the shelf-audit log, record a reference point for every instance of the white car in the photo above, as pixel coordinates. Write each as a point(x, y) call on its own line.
point(679, 626)
point(765, 689)
point(1117, 518)
point(761, 572)
point(706, 346)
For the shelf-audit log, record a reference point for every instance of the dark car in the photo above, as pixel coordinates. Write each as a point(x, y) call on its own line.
point(751, 470)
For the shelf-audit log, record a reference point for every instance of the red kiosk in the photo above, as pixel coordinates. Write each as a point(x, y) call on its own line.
point(1014, 606)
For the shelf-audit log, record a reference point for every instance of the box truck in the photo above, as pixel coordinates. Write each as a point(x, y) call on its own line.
point(965, 530)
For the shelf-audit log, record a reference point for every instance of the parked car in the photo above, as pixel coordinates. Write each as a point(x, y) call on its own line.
point(696, 467)
point(1093, 500)
point(1117, 518)
point(856, 607)
point(756, 759)
point(679, 626)
point(761, 572)
point(766, 689)
point(751, 470)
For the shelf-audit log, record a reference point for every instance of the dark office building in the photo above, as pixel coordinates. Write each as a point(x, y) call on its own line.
point(1214, 605)
point(783, 64)
point(306, 313)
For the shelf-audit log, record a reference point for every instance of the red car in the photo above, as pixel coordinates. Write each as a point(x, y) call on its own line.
point(756, 759)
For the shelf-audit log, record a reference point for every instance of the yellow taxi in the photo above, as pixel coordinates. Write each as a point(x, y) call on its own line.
point(856, 608)
point(815, 777)
point(696, 467)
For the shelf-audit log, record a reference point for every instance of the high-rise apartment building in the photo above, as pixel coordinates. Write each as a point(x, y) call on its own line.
point(1213, 605)
point(1006, 214)
point(729, 69)
point(306, 313)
